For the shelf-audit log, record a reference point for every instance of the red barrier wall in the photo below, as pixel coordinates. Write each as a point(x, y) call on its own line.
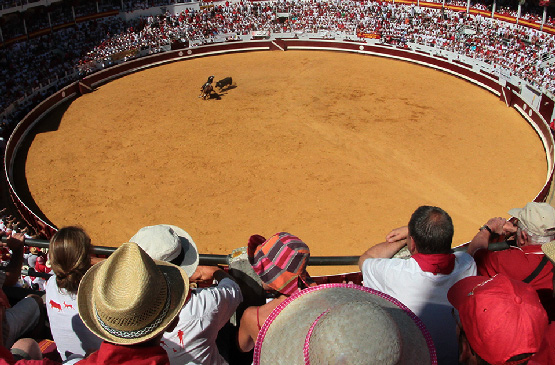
point(490, 82)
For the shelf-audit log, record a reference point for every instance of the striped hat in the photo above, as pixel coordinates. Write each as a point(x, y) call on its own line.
point(280, 261)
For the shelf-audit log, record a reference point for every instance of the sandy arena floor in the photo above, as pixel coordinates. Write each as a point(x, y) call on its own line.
point(335, 148)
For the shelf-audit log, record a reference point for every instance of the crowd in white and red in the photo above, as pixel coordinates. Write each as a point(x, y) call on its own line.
point(49, 59)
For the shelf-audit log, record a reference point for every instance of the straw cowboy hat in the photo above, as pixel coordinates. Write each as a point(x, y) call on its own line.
point(131, 298)
point(169, 243)
point(343, 324)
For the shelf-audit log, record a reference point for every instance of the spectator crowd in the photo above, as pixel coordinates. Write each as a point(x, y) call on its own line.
point(150, 302)
point(43, 64)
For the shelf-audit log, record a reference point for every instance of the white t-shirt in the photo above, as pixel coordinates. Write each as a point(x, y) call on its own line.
point(193, 341)
point(68, 331)
point(423, 293)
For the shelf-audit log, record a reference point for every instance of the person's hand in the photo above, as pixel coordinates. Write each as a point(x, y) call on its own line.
point(15, 241)
point(397, 234)
point(496, 225)
point(509, 228)
point(203, 273)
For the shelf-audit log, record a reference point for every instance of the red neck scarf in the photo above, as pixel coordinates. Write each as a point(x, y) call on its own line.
point(442, 263)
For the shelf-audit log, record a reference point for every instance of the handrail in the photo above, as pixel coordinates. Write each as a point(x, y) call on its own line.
point(213, 260)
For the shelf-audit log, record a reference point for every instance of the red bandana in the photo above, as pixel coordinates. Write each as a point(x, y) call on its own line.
point(435, 263)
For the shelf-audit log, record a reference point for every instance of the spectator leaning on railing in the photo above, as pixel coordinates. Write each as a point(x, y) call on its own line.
point(525, 261)
point(280, 262)
point(193, 340)
point(422, 281)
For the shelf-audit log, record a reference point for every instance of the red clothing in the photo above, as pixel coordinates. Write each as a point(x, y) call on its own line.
point(110, 353)
point(42, 268)
point(4, 301)
point(6, 358)
point(435, 263)
point(546, 353)
point(518, 264)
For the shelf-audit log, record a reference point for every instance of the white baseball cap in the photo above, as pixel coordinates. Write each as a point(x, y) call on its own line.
point(537, 218)
point(169, 243)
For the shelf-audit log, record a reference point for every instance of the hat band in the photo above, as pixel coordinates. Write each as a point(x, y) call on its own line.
point(306, 348)
point(178, 261)
point(143, 331)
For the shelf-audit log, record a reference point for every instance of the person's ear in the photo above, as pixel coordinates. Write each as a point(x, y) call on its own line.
point(411, 245)
point(466, 354)
point(523, 238)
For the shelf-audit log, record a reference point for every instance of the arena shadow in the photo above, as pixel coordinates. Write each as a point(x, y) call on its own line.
point(50, 123)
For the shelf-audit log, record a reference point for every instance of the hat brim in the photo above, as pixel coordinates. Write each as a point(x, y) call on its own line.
point(515, 212)
point(549, 250)
point(178, 282)
point(191, 260)
point(289, 324)
point(458, 293)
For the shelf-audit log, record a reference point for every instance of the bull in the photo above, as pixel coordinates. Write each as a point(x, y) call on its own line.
point(224, 83)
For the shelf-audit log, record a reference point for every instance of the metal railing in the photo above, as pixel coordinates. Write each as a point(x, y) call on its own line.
point(212, 260)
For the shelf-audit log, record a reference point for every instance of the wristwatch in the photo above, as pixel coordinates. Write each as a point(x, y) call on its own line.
point(485, 226)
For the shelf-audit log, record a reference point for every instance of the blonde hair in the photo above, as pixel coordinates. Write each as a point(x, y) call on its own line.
point(70, 256)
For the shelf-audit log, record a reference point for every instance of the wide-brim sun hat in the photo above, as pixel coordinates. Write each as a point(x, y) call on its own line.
point(343, 324)
point(166, 242)
point(130, 298)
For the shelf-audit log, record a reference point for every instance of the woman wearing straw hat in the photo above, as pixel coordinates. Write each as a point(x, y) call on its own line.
point(70, 258)
point(280, 262)
point(129, 300)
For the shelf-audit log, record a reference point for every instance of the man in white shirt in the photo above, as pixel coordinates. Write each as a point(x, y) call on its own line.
point(422, 281)
point(193, 341)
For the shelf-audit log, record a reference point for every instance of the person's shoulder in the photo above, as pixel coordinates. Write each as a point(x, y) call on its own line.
point(463, 256)
point(509, 253)
point(200, 300)
point(382, 264)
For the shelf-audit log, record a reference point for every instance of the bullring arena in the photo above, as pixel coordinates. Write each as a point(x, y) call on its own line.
point(337, 148)
point(342, 118)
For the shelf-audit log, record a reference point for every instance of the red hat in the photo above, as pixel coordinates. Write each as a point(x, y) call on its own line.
point(501, 317)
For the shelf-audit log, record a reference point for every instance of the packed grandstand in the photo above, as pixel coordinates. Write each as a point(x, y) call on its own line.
point(50, 48)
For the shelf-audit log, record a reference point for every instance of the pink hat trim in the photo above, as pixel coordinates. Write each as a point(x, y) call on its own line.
point(282, 305)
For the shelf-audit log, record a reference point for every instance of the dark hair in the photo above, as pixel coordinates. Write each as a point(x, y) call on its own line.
point(432, 230)
point(70, 257)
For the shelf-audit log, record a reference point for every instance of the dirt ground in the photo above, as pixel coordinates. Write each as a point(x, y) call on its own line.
point(335, 148)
